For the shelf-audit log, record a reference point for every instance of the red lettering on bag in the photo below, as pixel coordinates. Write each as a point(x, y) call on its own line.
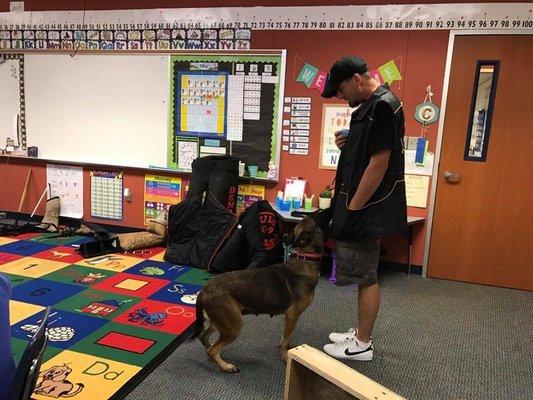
point(231, 197)
point(268, 224)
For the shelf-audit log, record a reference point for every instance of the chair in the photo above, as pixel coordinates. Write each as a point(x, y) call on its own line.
point(7, 363)
point(28, 369)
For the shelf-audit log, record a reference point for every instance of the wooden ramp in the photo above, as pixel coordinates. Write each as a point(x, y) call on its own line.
point(313, 375)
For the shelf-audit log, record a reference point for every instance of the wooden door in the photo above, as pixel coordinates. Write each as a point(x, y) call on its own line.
point(483, 225)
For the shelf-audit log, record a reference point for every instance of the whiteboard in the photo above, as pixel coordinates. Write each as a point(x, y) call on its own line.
point(9, 100)
point(98, 108)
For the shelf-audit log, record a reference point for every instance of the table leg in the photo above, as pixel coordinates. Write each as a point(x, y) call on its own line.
point(410, 240)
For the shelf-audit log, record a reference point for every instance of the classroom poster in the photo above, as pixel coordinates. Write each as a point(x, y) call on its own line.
point(66, 182)
point(247, 195)
point(334, 117)
point(160, 192)
point(106, 194)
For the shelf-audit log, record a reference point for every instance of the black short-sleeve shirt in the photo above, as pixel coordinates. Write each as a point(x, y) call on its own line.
point(383, 133)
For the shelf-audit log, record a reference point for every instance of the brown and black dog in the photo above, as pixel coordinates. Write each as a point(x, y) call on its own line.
point(286, 288)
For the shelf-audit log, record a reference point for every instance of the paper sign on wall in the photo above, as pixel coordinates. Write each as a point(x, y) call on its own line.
point(187, 150)
point(66, 182)
point(294, 188)
point(416, 190)
point(334, 117)
point(411, 167)
point(299, 124)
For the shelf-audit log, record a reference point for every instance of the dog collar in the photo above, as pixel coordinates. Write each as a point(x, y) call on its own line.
point(307, 256)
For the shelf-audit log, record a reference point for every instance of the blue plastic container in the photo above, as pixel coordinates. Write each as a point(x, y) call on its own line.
point(285, 205)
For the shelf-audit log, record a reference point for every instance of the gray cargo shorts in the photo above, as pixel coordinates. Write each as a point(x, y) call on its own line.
point(357, 262)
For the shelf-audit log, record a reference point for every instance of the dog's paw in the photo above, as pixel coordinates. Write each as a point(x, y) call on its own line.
point(231, 369)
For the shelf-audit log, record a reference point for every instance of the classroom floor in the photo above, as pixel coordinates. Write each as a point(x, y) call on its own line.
point(434, 339)
point(113, 317)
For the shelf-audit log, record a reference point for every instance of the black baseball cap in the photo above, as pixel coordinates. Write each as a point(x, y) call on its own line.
point(343, 69)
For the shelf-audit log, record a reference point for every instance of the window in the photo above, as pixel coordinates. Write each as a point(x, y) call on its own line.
point(483, 96)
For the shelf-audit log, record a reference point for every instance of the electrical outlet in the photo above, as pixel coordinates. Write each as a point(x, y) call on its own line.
point(128, 194)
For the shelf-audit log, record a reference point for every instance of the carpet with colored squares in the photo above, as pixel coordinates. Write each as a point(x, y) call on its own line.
point(114, 317)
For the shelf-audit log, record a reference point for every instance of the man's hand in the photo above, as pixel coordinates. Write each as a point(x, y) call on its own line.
point(371, 179)
point(340, 140)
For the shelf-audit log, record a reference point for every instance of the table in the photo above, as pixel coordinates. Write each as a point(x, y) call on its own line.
point(286, 215)
point(411, 222)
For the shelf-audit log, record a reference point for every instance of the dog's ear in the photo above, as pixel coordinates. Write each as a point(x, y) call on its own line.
point(322, 218)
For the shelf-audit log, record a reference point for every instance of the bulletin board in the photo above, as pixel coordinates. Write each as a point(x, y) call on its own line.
point(230, 104)
point(125, 108)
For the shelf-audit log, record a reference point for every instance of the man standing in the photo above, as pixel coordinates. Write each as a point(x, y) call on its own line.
point(369, 201)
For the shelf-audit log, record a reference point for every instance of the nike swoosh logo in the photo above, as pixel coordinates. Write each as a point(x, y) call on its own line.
point(349, 353)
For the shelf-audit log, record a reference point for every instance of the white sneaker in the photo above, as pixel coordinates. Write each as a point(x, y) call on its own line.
point(351, 350)
point(338, 337)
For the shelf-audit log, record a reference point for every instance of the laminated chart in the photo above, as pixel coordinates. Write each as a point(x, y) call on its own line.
point(160, 192)
point(203, 103)
point(106, 194)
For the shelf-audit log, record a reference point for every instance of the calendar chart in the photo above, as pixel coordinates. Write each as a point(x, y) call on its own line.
point(203, 103)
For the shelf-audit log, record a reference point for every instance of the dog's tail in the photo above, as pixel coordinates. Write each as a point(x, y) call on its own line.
point(199, 324)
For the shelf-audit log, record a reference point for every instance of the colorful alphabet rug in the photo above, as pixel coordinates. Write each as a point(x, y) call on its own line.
point(114, 317)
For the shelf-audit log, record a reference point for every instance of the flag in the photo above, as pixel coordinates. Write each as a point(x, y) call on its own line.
point(307, 75)
point(390, 72)
point(320, 81)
